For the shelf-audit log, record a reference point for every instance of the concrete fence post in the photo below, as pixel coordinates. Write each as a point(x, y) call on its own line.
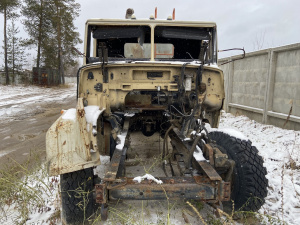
point(269, 93)
point(230, 84)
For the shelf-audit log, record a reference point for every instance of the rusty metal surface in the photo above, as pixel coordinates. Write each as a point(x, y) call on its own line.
point(210, 153)
point(221, 160)
point(206, 167)
point(225, 191)
point(180, 147)
point(101, 193)
point(172, 188)
point(137, 100)
point(203, 180)
point(113, 167)
point(209, 171)
point(180, 164)
point(146, 108)
point(69, 144)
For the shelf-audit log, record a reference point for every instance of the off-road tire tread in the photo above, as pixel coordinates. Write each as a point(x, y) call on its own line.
point(250, 182)
point(71, 185)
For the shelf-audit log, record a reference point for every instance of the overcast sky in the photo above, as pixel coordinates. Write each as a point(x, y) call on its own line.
point(241, 23)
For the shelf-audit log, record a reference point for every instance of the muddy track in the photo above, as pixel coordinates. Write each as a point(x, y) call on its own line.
point(23, 136)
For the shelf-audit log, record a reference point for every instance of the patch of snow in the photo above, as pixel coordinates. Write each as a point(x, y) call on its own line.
point(3, 153)
point(212, 65)
point(193, 132)
point(147, 176)
point(121, 141)
point(129, 114)
point(22, 100)
point(228, 130)
point(69, 114)
point(280, 150)
point(46, 190)
point(234, 133)
point(101, 169)
point(92, 112)
point(198, 154)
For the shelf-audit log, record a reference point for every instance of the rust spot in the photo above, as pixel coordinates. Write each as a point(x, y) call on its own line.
point(80, 112)
point(64, 142)
point(172, 181)
point(59, 125)
point(148, 193)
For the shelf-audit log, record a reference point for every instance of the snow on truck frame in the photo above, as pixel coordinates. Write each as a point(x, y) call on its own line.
point(153, 76)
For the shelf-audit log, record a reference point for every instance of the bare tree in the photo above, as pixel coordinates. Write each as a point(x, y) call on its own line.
point(259, 41)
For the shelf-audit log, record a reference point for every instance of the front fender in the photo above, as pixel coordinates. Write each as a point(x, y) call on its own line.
point(69, 144)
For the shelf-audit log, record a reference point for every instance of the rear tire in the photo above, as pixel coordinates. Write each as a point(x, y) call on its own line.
point(76, 196)
point(249, 182)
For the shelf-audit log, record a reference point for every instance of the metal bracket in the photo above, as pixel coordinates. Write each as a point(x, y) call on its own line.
point(116, 159)
point(101, 193)
point(225, 191)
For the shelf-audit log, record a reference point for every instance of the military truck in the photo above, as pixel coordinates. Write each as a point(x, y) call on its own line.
point(157, 77)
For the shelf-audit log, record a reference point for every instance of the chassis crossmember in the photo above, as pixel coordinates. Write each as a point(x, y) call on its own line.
point(208, 187)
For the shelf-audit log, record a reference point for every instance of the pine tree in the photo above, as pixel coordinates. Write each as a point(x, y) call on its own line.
point(65, 37)
point(38, 24)
point(16, 56)
point(50, 25)
point(7, 7)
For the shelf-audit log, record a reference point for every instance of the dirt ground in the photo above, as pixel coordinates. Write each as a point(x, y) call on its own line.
point(23, 135)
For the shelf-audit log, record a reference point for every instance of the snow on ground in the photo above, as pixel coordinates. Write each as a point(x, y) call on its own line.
point(36, 200)
point(280, 150)
point(20, 100)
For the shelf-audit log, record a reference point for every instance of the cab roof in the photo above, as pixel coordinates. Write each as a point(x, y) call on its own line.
point(154, 22)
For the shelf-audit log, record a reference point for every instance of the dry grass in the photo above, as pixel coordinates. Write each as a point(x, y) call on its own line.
point(24, 189)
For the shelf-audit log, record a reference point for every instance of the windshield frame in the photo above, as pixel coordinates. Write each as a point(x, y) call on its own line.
point(92, 53)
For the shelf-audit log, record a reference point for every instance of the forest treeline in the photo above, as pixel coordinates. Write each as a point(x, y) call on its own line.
point(51, 32)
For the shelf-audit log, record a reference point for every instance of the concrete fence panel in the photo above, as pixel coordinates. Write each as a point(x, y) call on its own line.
point(70, 80)
point(265, 86)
